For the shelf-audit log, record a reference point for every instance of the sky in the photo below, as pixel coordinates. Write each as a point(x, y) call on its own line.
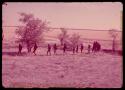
point(94, 15)
point(103, 15)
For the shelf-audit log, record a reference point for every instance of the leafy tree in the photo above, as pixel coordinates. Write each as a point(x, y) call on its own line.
point(75, 39)
point(32, 30)
point(113, 34)
point(63, 36)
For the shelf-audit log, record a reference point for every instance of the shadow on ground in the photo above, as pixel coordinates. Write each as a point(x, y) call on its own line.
point(14, 53)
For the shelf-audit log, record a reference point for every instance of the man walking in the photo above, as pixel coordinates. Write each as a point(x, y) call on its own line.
point(89, 48)
point(81, 48)
point(94, 47)
point(55, 48)
point(73, 48)
point(64, 48)
point(20, 49)
point(77, 47)
point(34, 49)
point(49, 50)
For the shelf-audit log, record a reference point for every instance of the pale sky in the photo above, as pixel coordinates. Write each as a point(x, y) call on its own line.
point(94, 15)
point(101, 15)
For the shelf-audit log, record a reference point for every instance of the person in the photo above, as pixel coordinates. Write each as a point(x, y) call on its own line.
point(98, 46)
point(20, 48)
point(55, 48)
point(73, 48)
point(89, 48)
point(81, 48)
point(77, 47)
point(34, 49)
point(94, 46)
point(29, 46)
point(49, 50)
point(64, 48)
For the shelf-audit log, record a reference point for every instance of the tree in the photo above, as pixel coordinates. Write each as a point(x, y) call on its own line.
point(113, 34)
point(63, 36)
point(75, 39)
point(32, 31)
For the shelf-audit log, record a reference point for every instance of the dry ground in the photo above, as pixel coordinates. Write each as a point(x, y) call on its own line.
point(98, 70)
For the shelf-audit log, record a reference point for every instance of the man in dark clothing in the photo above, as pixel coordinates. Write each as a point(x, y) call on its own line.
point(49, 49)
point(55, 48)
point(89, 48)
point(34, 49)
point(64, 48)
point(20, 49)
point(98, 46)
point(94, 46)
point(81, 48)
point(77, 47)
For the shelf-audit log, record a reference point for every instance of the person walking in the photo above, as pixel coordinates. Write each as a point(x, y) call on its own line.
point(98, 46)
point(81, 48)
point(20, 48)
point(89, 48)
point(64, 48)
point(49, 50)
point(55, 48)
point(73, 49)
point(34, 49)
point(94, 47)
point(77, 48)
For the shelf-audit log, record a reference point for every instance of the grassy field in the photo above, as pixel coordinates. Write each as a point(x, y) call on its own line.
point(100, 70)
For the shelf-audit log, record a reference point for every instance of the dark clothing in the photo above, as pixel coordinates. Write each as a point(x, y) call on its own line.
point(49, 50)
point(81, 48)
point(64, 48)
point(20, 49)
point(55, 48)
point(89, 48)
point(96, 47)
point(73, 49)
point(77, 47)
point(35, 47)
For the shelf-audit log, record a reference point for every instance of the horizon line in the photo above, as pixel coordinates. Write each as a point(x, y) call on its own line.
point(73, 29)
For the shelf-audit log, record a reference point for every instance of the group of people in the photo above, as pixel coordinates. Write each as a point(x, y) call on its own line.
point(96, 47)
point(34, 48)
point(75, 48)
point(55, 49)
